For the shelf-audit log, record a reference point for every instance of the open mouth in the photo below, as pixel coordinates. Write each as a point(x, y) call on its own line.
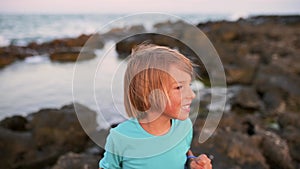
point(186, 107)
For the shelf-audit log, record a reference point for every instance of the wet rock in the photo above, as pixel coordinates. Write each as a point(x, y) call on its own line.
point(6, 60)
point(63, 50)
point(20, 52)
point(76, 161)
point(67, 42)
point(71, 55)
point(10, 54)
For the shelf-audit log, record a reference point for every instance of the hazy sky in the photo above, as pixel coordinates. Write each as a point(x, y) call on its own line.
point(132, 6)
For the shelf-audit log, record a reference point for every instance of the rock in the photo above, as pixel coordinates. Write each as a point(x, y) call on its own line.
point(67, 42)
point(232, 150)
point(6, 60)
point(92, 41)
point(10, 54)
point(15, 148)
point(247, 98)
point(290, 130)
point(274, 103)
point(96, 41)
point(58, 128)
point(256, 56)
point(71, 55)
point(285, 86)
point(125, 46)
point(50, 134)
point(241, 70)
point(276, 151)
point(229, 36)
point(292, 135)
point(69, 49)
point(63, 50)
point(15, 123)
point(289, 119)
point(230, 144)
point(77, 161)
point(122, 33)
point(262, 19)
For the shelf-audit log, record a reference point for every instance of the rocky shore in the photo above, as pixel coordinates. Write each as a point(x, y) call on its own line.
point(261, 129)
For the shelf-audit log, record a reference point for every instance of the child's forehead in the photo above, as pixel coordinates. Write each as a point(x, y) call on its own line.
point(178, 75)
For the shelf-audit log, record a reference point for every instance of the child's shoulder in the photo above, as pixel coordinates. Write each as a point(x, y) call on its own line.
point(129, 123)
point(129, 127)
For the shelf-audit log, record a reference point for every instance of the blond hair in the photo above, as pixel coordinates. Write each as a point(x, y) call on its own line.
point(147, 81)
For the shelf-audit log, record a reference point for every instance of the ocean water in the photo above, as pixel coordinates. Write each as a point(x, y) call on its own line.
point(35, 83)
point(21, 29)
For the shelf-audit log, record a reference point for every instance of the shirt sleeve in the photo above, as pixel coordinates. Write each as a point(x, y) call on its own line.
point(110, 160)
point(189, 136)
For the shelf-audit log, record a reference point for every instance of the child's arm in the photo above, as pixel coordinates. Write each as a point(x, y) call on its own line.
point(200, 162)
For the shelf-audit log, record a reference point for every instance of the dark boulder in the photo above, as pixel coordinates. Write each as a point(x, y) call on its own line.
point(77, 161)
point(49, 134)
point(15, 123)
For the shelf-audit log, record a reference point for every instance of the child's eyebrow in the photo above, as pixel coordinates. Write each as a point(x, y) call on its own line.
point(182, 82)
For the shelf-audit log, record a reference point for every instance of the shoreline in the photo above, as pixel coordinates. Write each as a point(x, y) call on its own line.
point(259, 130)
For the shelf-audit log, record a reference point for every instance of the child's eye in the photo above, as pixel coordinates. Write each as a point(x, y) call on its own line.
point(178, 87)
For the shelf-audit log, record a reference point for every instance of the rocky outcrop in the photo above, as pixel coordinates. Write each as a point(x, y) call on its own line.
point(42, 137)
point(263, 62)
point(62, 50)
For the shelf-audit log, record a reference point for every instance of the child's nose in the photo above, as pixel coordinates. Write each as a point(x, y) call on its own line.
point(191, 94)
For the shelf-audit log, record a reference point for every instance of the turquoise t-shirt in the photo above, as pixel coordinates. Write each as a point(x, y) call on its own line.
point(129, 146)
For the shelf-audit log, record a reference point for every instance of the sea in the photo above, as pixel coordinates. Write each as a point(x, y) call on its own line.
point(29, 85)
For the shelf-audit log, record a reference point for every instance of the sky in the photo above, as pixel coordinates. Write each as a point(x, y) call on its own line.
point(166, 6)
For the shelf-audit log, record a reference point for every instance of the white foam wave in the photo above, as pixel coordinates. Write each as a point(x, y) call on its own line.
point(37, 59)
point(4, 41)
point(238, 15)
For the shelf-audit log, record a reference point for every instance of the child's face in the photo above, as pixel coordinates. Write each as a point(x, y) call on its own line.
point(180, 94)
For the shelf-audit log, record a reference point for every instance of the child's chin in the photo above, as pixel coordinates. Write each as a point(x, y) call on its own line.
point(183, 117)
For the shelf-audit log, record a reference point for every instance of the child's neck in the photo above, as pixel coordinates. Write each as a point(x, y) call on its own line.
point(157, 127)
